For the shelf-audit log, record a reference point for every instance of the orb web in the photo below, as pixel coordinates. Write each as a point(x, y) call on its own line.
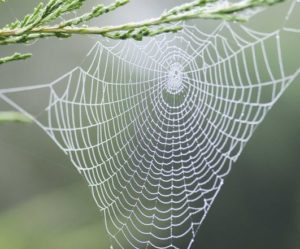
point(154, 127)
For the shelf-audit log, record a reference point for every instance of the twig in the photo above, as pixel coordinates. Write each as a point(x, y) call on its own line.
point(200, 9)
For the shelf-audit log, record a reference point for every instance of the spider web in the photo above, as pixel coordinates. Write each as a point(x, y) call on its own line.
point(154, 127)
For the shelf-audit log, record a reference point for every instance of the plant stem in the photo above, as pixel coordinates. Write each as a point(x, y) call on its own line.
point(223, 11)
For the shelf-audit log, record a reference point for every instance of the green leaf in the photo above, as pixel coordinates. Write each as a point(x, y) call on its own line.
point(14, 57)
point(13, 117)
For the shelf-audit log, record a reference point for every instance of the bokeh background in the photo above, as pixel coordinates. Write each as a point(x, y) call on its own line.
point(45, 204)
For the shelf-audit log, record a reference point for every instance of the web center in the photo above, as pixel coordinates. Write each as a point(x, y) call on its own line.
point(174, 82)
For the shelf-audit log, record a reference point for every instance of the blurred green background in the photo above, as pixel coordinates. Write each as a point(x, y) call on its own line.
point(45, 204)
